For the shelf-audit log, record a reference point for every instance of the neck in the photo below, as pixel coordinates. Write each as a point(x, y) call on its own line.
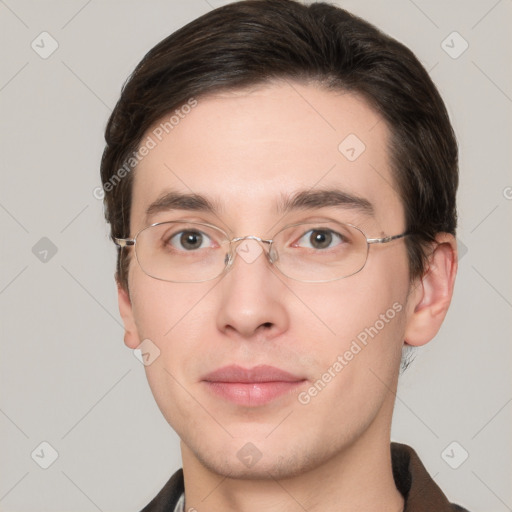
point(359, 478)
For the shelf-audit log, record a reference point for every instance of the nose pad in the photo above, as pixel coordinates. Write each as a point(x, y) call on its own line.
point(272, 255)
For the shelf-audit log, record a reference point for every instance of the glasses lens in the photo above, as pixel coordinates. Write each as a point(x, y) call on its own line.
point(182, 252)
point(320, 251)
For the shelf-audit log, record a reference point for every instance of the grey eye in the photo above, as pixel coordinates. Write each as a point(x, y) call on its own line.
point(320, 239)
point(189, 240)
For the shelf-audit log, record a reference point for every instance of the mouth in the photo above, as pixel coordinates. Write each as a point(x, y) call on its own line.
point(251, 387)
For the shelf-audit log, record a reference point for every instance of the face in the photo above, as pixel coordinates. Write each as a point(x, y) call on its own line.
point(258, 372)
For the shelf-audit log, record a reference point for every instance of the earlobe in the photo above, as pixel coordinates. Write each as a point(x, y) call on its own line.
point(433, 293)
point(131, 336)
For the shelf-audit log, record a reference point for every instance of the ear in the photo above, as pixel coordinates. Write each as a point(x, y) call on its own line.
point(432, 294)
point(131, 335)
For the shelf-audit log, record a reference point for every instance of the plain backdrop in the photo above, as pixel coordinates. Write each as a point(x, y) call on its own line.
point(68, 380)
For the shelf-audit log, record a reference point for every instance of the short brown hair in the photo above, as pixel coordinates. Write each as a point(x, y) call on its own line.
point(251, 42)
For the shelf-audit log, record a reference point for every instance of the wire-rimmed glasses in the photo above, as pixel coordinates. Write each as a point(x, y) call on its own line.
point(194, 252)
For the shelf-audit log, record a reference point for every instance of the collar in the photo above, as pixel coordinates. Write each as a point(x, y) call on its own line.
point(420, 492)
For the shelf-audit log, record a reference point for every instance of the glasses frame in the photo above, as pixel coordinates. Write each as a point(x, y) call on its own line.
point(132, 242)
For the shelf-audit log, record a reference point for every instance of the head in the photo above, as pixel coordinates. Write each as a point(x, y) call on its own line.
point(251, 107)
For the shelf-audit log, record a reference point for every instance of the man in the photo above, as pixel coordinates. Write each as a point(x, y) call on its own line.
point(280, 180)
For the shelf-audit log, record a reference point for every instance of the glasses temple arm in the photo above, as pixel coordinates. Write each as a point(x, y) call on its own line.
point(124, 242)
point(385, 239)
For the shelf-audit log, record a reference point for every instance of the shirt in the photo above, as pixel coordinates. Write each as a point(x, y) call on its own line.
point(420, 492)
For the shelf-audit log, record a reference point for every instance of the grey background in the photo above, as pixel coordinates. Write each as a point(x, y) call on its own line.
point(66, 376)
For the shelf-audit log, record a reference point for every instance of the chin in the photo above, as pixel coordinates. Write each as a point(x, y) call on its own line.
point(260, 461)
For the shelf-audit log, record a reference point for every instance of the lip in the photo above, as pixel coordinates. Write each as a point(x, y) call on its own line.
point(251, 387)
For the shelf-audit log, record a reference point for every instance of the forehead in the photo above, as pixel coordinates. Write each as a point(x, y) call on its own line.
point(247, 151)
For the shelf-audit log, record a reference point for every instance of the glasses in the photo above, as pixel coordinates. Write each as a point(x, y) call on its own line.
point(194, 252)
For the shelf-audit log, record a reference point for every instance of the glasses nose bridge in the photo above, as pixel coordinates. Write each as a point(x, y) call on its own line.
point(235, 242)
point(238, 239)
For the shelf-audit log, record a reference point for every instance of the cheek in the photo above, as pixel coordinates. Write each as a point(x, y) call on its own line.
point(178, 317)
point(349, 308)
point(159, 307)
point(363, 319)
point(357, 365)
point(170, 315)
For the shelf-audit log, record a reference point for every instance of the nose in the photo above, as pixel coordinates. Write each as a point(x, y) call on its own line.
point(252, 299)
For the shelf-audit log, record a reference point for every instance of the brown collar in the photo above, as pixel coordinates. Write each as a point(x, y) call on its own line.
point(420, 492)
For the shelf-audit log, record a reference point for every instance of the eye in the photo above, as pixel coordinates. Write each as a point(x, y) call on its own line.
point(189, 240)
point(320, 239)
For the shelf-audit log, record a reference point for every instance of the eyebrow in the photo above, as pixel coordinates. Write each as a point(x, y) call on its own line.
point(301, 200)
point(179, 201)
point(314, 199)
